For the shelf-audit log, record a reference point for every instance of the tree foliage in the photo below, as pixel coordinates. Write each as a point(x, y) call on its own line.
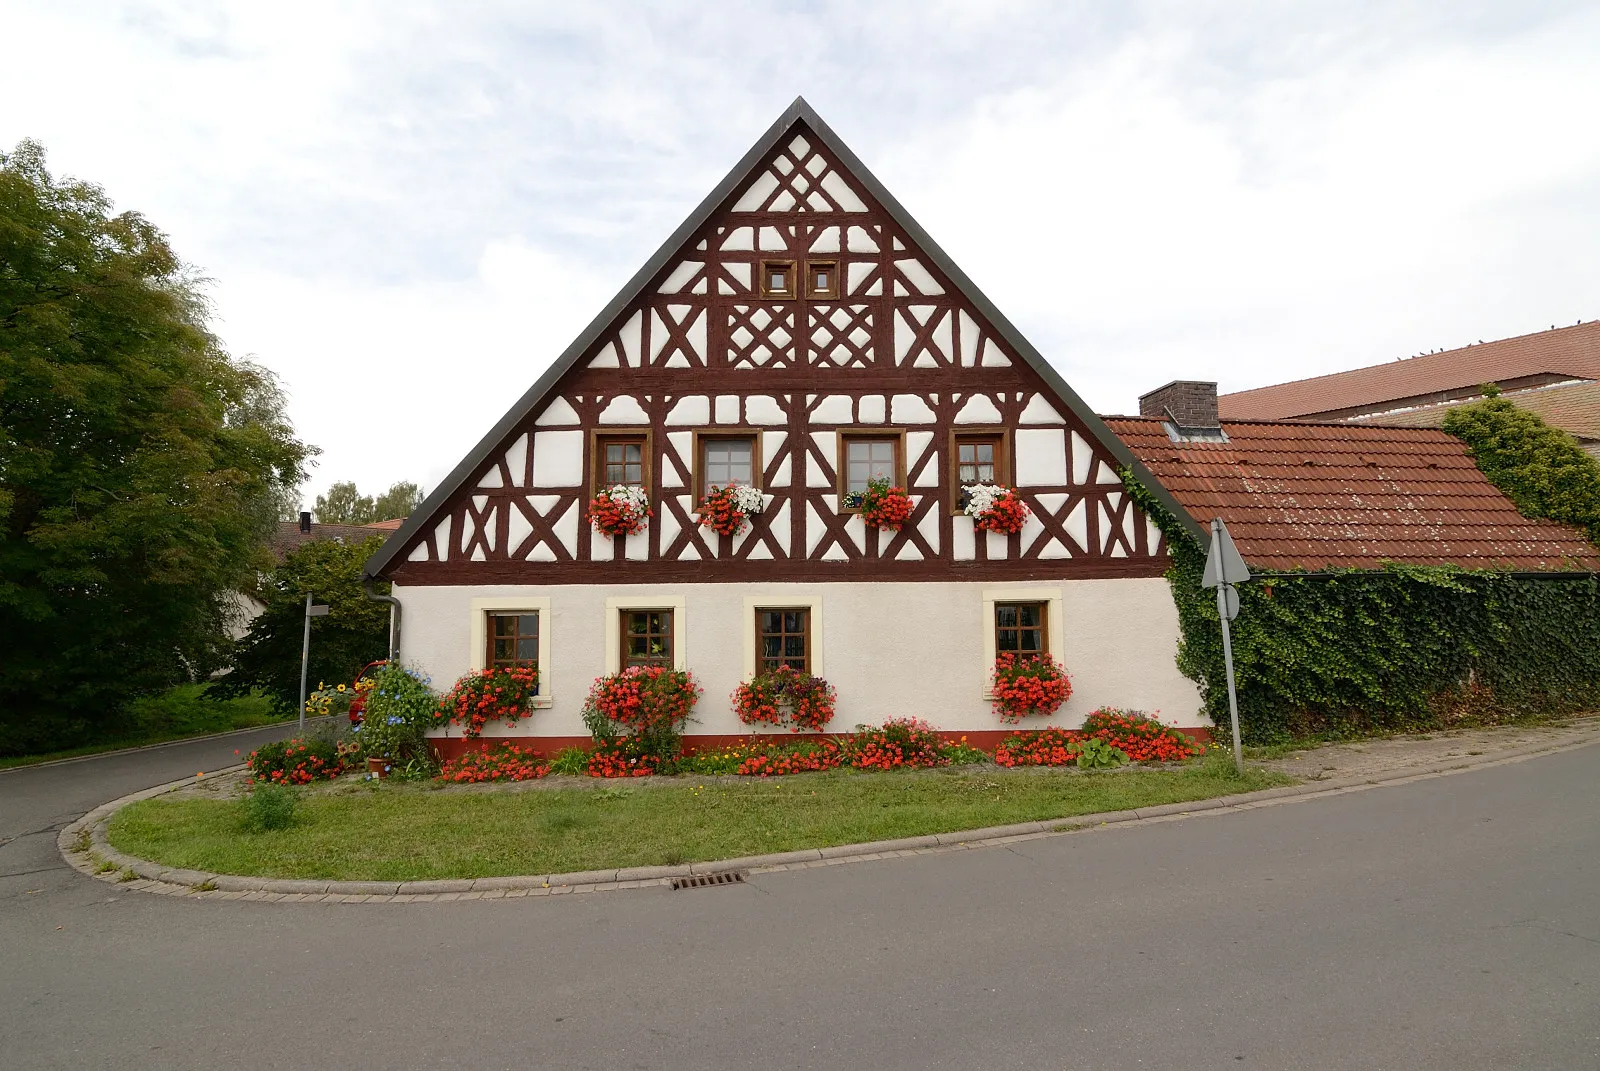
point(1540, 468)
point(354, 632)
point(140, 467)
point(1401, 648)
point(343, 504)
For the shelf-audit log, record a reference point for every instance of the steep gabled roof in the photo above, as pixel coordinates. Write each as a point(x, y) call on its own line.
point(798, 113)
point(1566, 353)
point(1313, 496)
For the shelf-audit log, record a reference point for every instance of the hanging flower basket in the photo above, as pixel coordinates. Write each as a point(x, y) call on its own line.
point(785, 696)
point(882, 505)
point(1028, 686)
point(620, 510)
point(726, 510)
point(994, 508)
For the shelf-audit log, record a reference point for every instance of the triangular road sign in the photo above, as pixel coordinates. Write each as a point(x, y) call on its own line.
point(1223, 563)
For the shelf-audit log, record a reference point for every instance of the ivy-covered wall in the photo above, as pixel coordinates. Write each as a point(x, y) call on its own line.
point(1399, 648)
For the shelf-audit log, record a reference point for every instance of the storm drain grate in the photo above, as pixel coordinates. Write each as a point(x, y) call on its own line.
point(701, 881)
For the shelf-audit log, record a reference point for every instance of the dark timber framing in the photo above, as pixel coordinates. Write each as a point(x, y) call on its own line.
point(798, 113)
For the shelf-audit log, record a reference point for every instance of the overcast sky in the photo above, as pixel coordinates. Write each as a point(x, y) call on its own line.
point(409, 209)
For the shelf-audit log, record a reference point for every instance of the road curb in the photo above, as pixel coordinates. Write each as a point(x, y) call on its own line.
point(145, 876)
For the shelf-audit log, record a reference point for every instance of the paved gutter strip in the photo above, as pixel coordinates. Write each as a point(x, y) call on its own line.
point(177, 881)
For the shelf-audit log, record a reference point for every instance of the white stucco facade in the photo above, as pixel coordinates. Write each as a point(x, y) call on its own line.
point(891, 649)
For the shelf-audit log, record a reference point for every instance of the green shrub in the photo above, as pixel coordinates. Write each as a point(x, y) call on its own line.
point(268, 807)
point(400, 709)
point(298, 760)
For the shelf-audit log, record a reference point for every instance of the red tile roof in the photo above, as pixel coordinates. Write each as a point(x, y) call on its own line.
point(1313, 496)
point(289, 538)
point(1569, 352)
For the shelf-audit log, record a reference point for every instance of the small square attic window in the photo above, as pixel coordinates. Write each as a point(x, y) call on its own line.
point(822, 279)
point(777, 278)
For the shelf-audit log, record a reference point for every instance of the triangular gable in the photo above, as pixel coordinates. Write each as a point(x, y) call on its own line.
point(780, 173)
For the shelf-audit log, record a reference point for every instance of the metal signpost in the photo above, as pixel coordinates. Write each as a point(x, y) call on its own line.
point(1224, 569)
point(322, 612)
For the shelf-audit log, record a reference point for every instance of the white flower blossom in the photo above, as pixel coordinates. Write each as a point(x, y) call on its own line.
point(980, 496)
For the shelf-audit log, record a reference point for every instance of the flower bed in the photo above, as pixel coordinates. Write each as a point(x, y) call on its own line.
point(994, 508)
point(897, 743)
point(620, 510)
point(482, 696)
point(298, 761)
point(726, 510)
point(785, 696)
point(1137, 735)
point(508, 762)
point(777, 759)
point(623, 757)
point(1025, 686)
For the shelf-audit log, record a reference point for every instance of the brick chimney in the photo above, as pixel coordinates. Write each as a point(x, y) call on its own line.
point(305, 521)
point(1187, 403)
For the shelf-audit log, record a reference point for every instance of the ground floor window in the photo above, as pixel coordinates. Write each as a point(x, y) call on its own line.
point(647, 638)
point(1021, 628)
point(513, 641)
point(783, 638)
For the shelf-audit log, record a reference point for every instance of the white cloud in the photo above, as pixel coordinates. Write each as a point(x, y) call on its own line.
point(411, 208)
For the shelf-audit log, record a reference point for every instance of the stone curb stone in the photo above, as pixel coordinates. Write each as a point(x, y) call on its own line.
point(509, 883)
point(652, 873)
point(177, 881)
point(751, 862)
point(439, 885)
point(584, 877)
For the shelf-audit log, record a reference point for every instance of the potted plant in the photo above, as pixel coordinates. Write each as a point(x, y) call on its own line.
point(726, 510)
point(785, 696)
point(620, 510)
point(400, 708)
point(994, 508)
point(882, 504)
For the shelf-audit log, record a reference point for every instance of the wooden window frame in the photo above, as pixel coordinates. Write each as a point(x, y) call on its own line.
point(823, 293)
point(490, 636)
point(792, 273)
point(752, 435)
point(482, 636)
point(598, 437)
point(857, 434)
point(671, 634)
point(786, 600)
point(1002, 459)
point(616, 605)
point(1043, 626)
point(784, 609)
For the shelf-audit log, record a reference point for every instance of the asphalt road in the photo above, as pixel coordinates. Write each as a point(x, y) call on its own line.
point(1447, 923)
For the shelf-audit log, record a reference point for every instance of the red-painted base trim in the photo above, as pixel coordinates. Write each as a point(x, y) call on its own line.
point(983, 739)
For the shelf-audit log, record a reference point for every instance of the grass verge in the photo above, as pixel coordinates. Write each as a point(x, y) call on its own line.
point(401, 833)
point(183, 712)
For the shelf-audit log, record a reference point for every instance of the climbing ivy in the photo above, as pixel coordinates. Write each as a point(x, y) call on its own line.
point(1401, 648)
point(1540, 468)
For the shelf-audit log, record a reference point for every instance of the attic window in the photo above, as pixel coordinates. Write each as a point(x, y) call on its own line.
point(777, 278)
point(822, 279)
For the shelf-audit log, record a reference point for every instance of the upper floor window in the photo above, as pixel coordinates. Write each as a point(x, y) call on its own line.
point(725, 461)
point(621, 459)
point(867, 458)
point(978, 458)
point(822, 279)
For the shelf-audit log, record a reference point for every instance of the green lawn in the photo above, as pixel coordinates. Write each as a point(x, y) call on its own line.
point(182, 712)
point(409, 832)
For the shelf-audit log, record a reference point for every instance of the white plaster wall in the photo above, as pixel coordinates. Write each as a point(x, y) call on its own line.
point(889, 649)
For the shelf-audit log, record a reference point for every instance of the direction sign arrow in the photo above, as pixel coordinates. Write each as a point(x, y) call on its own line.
point(1223, 562)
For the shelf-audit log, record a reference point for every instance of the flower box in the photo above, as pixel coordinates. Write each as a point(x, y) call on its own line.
point(620, 510)
point(994, 508)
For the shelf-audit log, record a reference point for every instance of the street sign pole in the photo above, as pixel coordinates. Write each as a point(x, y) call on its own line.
point(1223, 591)
point(305, 654)
point(1225, 568)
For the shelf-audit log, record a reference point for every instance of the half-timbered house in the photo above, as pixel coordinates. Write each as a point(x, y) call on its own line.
point(798, 333)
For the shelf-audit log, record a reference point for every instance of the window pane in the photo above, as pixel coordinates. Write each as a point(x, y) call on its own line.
point(1028, 615)
point(794, 621)
point(1006, 639)
point(770, 646)
point(505, 626)
point(528, 649)
point(771, 620)
point(1005, 616)
point(505, 650)
point(794, 646)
